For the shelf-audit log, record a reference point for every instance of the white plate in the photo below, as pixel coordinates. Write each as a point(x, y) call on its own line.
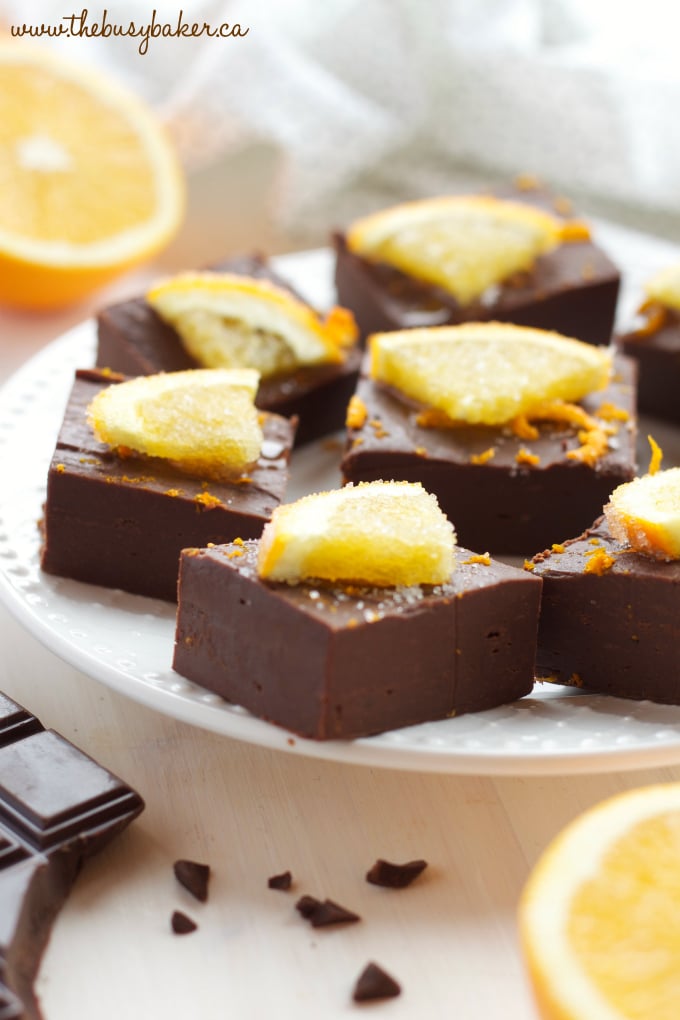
point(125, 641)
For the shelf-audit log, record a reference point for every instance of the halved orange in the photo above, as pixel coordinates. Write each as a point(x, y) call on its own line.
point(90, 184)
point(599, 916)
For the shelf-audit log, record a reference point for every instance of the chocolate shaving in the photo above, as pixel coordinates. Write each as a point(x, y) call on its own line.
point(282, 881)
point(395, 876)
point(322, 914)
point(375, 983)
point(193, 877)
point(181, 924)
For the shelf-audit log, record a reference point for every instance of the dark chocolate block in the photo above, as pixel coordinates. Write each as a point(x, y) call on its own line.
point(134, 340)
point(573, 289)
point(122, 523)
point(346, 662)
point(614, 632)
point(500, 505)
point(656, 348)
point(57, 808)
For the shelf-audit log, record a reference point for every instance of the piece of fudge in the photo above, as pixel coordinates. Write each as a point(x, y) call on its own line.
point(58, 807)
point(609, 618)
point(504, 493)
point(134, 340)
point(572, 289)
point(655, 345)
point(339, 661)
point(122, 522)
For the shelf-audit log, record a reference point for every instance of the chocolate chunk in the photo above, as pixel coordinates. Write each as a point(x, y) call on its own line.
point(322, 914)
point(307, 905)
point(181, 924)
point(374, 983)
point(395, 876)
point(194, 877)
point(57, 808)
point(282, 881)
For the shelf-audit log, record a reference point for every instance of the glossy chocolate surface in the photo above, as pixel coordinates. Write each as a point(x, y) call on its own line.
point(336, 663)
point(134, 340)
point(500, 505)
point(57, 808)
point(658, 357)
point(615, 632)
point(572, 290)
point(122, 523)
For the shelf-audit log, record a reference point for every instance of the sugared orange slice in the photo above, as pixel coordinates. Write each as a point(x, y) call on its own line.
point(375, 533)
point(204, 421)
point(664, 287)
point(645, 514)
point(229, 321)
point(487, 373)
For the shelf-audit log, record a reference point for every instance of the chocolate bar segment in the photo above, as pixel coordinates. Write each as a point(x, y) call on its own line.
point(57, 808)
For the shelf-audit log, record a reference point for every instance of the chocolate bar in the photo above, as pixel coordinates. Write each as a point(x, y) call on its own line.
point(57, 808)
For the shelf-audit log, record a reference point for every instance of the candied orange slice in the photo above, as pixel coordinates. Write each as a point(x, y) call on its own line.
point(664, 287)
point(598, 916)
point(487, 373)
point(90, 183)
point(464, 243)
point(204, 421)
point(375, 533)
point(645, 514)
point(230, 321)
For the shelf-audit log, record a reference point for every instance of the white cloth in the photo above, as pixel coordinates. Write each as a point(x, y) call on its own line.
point(365, 98)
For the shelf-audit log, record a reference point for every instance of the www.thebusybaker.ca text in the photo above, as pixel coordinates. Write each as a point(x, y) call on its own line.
point(80, 26)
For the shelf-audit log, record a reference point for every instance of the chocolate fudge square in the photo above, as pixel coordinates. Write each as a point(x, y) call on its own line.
point(572, 289)
point(502, 504)
point(339, 662)
point(615, 632)
point(122, 523)
point(655, 345)
point(133, 339)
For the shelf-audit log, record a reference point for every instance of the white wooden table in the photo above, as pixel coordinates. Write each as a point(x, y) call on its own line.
point(249, 812)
